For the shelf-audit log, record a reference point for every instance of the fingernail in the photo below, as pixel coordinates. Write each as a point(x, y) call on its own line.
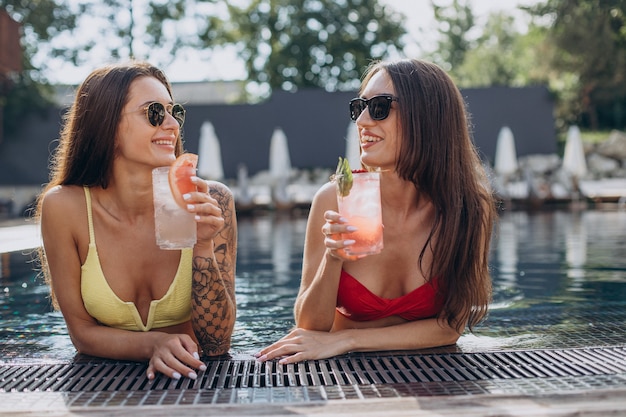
point(197, 217)
point(202, 367)
point(151, 376)
point(190, 207)
point(351, 228)
point(257, 354)
point(349, 242)
point(262, 358)
point(193, 178)
point(186, 196)
point(192, 375)
point(343, 220)
point(196, 356)
point(176, 375)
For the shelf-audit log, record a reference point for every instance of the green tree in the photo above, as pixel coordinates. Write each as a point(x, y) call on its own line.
point(589, 38)
point(502, 56)
point(28, 90)
point(455, 23)
point(290, 44)
point(109, 29)
point(494, 54)
point(158, 31)
point(285, 44)
point(41, 20)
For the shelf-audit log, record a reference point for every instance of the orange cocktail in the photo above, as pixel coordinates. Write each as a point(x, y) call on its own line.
point(361, 207)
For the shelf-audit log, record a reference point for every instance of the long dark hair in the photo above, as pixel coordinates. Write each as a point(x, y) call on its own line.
point(438, 156)
point(87, 145)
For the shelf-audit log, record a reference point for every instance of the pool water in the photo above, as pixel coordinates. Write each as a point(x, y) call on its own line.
point(559, 280)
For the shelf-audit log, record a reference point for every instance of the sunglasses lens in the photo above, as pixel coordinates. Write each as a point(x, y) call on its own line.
point(156, 114)
point(379, 107)
point(357, 105)
point(178, 112)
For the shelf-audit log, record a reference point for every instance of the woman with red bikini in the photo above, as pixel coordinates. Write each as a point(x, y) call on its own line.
point(431, 280)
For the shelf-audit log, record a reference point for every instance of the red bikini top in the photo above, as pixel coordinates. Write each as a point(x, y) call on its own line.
point(357, 303)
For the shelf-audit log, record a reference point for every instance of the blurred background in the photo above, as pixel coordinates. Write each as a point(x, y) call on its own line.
point(267, 82)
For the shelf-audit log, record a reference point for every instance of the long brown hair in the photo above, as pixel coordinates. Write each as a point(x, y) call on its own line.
point(86, 147)
point(438, 156)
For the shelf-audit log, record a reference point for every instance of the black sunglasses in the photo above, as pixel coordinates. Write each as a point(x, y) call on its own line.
point(378, 106)
point(155, 112)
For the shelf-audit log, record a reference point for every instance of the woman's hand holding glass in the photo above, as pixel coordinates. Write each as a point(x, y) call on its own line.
point(335, 228)
point(206, 209)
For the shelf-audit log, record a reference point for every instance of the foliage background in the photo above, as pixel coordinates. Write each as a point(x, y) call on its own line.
point(575, 47)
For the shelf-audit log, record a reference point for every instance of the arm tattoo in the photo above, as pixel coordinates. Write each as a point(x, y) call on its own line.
point(213, 286)
point(212, 310)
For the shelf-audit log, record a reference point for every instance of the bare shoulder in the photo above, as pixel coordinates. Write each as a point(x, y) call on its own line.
point(63, 221)
point(326, 197)
point(63, 200)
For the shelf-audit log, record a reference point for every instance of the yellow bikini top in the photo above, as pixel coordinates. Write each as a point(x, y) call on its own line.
point(106, 307)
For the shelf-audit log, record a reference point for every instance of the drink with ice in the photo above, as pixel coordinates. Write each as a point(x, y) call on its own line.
point(175, 226)
point(361, 207)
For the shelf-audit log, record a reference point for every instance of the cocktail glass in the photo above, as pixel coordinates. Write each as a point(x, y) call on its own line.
point(361, 207)
point(175, 226)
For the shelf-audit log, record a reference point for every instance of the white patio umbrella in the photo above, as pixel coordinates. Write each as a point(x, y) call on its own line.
point(209, 154)
point(282, 247)
point(243, 197)
point(280, 161)
point(506, 156)
point(574, 162)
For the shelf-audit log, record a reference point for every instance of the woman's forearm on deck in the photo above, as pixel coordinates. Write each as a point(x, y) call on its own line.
point(213, 304)
point(418, 334)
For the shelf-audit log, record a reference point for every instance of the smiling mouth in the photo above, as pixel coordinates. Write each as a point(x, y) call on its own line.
point(370, 139)
point(163, 142)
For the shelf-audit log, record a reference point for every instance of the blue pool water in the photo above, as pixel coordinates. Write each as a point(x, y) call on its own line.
point(556, 275)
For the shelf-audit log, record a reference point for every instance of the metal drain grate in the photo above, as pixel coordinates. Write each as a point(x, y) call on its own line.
point(100, 375)
point(480, 370)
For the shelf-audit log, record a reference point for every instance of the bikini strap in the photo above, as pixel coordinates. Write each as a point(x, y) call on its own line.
point(92, 239)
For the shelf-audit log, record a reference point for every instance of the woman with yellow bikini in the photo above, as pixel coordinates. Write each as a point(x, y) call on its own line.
point(121, 296)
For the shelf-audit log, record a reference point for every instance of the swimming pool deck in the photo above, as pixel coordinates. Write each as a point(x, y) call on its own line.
point(540, 382)
point(600, 403)
point(18, 235)
point(577, 367)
